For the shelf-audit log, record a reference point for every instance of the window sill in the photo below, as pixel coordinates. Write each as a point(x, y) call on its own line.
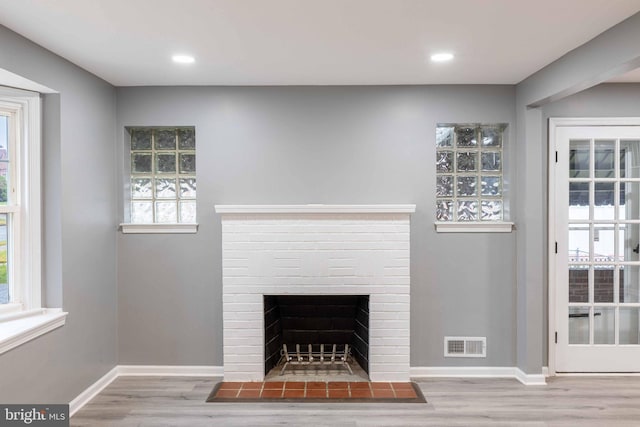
point(129, 228)
point(17, 329)
point(10, 310)
point(474, 227)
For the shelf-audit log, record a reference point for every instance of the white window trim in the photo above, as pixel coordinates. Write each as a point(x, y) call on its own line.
point(159, 228)
point(474, 227)
point(26, 319)
point(20, 329)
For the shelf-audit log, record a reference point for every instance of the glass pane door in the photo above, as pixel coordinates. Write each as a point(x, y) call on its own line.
point(598, 263)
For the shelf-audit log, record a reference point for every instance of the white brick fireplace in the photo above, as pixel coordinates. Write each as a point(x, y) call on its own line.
point(315, 250)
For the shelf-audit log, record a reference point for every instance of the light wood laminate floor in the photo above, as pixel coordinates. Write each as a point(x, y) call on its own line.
point(564, 401)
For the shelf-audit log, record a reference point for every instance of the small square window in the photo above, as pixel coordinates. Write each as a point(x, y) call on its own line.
point(444, 136)
point(467, 210)
point(466, 161)
point(469, 166)
point(187, 138)
point(141, 139)
point(491, 161)
point(141, 188)
point(165, 140)
point(467, 186)
point(187, 163)
point(491, 186)
point(444, 186)
point(444, 210)
point(165, 188)
point(163, 175)
point(491, 136)
point(166, 212)
point(491, 210)
point(141, 163)
point(165, 163)
point(142, 212)
point(466, 136)
point(444, 161)
point(187, 188)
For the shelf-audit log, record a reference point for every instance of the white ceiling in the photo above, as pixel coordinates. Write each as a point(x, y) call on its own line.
point(312, 42)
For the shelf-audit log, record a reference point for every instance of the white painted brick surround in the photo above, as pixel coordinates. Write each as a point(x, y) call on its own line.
point(316, 250)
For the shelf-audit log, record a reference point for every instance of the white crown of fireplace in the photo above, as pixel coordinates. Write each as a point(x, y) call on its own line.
point(316, 250)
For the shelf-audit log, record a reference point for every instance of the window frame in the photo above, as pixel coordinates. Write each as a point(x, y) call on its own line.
point(23, 208)
point(25, 318)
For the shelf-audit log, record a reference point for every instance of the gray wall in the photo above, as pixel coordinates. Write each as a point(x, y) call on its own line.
point(611, 53)
point(605, 100)
point(79, 222)
point(313, 145)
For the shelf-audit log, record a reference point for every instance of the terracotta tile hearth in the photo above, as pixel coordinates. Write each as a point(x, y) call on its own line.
point(316, 391)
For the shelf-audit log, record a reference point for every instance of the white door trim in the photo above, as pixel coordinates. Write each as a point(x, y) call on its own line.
point(554, 124)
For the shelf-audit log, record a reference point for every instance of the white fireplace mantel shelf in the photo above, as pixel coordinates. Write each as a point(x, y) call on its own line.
point(314, 209)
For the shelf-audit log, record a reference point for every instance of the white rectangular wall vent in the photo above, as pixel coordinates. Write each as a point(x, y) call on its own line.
point(465, 347)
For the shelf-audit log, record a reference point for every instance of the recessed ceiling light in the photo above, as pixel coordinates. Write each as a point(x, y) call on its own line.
point(442, 57)
point(183, 59)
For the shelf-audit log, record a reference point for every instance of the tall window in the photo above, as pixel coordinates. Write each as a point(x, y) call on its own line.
point(469, 184)
point(19, 201)
point(163, 175)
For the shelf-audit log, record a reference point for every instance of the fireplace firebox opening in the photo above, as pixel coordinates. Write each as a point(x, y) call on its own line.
point(316, 319)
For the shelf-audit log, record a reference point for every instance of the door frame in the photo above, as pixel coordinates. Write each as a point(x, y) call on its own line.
point(553, 124)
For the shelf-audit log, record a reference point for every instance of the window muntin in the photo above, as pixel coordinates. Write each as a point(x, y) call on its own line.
point(469, 178)
point(163, 175)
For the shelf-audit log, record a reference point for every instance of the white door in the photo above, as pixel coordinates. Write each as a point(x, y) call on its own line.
point(597, 265)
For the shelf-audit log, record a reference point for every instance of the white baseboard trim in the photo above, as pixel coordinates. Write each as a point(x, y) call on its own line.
point(92, 391)
point(545, 371)
point(477, 372)
point(170, 371)
point(218, 371)
point(140, 370)
point(530, 379)
point(597, 374)
point(461, 371)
